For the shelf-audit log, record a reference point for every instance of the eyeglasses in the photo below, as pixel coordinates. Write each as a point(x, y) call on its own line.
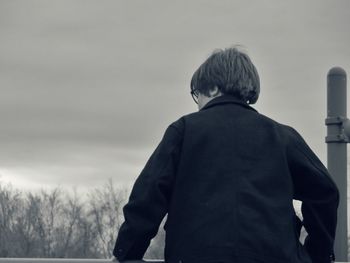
point(195, 94)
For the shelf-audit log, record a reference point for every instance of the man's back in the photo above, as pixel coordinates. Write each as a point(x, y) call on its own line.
point(227, 176)
point(233, 192)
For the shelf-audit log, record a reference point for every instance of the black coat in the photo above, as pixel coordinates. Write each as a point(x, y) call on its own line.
point(226, 177)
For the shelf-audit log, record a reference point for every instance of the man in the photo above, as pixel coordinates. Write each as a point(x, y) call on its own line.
point(226, 177)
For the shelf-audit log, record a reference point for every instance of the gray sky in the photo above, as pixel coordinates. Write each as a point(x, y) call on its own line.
point(89, 87)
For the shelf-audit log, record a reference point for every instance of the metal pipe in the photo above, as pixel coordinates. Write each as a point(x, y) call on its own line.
point(337, 152)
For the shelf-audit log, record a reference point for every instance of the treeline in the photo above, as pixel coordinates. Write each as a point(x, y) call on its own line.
point(58, 224)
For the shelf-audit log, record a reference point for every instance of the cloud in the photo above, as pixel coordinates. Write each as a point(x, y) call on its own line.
point(87, 89)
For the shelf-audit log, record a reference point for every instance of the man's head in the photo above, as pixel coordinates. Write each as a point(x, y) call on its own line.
point(226, 72)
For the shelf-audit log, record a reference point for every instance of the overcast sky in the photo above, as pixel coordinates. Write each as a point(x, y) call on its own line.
point(89, 87)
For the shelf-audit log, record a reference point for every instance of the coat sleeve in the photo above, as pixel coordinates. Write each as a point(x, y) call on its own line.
point(319, 194)
point(149, 198)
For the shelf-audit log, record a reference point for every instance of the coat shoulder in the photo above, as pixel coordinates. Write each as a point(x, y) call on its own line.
point(283, 127)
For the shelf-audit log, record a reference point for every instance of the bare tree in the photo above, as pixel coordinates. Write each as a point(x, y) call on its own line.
point(105, 211)
point(48, 220)
point(52, 223)
point(10, 203)
point(27, 221)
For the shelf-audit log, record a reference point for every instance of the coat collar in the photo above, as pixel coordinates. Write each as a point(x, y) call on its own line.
point(224, 99)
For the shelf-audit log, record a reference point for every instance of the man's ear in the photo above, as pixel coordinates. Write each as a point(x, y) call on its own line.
point(214, 91)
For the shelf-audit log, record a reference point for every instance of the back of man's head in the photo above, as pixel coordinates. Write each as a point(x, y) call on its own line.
point(232, 71)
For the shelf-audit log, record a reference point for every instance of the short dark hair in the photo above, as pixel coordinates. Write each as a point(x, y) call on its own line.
point(232, 71)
